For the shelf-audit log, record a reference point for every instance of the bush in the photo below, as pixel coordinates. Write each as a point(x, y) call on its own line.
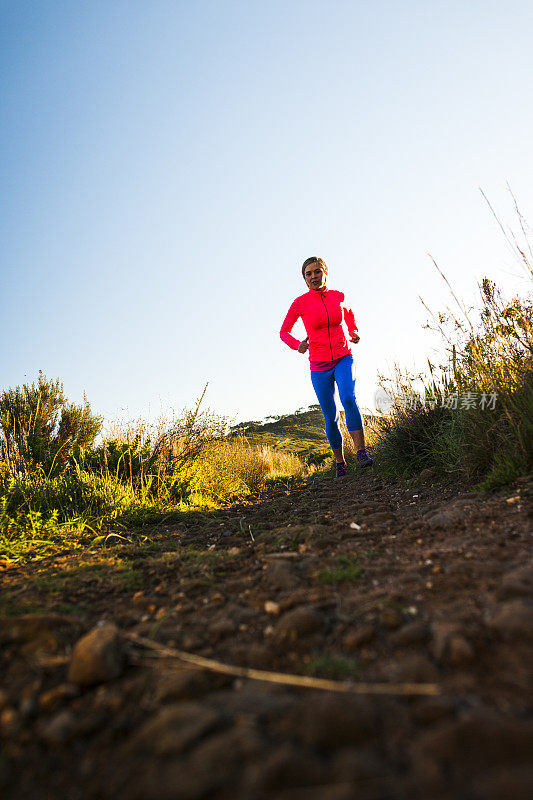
point(76, 495)
point(234, 468)
point(490, 357)
point(38, 426)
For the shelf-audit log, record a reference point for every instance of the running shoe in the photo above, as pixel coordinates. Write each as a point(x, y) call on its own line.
point(363, 459)
point(342, 469)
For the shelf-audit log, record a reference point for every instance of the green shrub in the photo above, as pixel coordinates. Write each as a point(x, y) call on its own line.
point(38, 426)
point(72, 495)
point(491, 356)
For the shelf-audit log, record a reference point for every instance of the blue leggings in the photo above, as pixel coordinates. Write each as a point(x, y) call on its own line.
point(324, 386)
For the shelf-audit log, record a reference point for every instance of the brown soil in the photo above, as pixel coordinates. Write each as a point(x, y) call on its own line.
point(436, 586)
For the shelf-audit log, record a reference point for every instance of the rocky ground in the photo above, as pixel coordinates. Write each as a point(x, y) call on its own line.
point(356, 580)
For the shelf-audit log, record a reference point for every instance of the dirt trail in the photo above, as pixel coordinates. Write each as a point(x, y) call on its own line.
point(354, 579)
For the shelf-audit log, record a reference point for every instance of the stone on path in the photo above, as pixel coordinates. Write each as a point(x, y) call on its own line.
point(175, 728)
point(97, 657)
point(296, 624)
point(518, 583)
point(514, 620)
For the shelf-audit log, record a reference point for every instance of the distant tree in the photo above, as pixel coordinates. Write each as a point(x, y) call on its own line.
point(39, 426)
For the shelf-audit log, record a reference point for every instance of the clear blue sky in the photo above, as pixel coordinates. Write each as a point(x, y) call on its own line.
point(167, 166)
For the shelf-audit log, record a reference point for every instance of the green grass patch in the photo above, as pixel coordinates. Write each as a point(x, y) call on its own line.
point(332, 667)
point(346, 570)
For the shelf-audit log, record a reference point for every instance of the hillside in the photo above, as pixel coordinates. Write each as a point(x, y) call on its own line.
point(301, 432)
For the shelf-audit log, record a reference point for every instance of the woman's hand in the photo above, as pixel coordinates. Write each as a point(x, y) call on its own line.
point(355, 337)
point(303, 346)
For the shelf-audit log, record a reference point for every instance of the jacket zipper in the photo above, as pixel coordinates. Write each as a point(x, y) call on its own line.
point(327, 315)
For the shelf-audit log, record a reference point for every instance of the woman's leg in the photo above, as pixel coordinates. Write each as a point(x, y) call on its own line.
point(345, 377)
point(324, 386)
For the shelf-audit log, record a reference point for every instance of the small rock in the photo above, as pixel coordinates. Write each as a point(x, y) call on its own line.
point(279, 576)
point(440, 636)
point(351, 764)
point(234, 551)
point(283, 769)
point(470, 744)
point(380, 518)
point(271, 607)
point(139, 600)
point(412, 668)
point(390, 618)
point(514, 620)
point(354, 639)
point(258, 656)
point(518, 583)
point(38, 629)
point(427, 474)
point(97, 657)
point(174, 728)
point(460, 651)
point(297, 624)
point(54, 698)
point(187, 683)
point(28, 706)
point(450, 515)
point(10, 721)
point(412, 633)
point(334, 720)
point(221, 627)
point(60, 729)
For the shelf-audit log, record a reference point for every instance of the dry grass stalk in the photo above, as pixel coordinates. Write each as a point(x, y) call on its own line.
point(404, 689)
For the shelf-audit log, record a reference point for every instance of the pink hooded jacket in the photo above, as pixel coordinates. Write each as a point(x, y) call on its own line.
point(322, 312)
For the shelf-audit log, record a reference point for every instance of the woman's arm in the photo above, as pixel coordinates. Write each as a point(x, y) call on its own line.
point(349, 319)
point(288, 323)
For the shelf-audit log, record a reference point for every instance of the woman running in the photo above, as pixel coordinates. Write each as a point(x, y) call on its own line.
point(322, 311)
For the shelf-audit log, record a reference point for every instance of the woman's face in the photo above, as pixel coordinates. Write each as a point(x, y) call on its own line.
point(315, 277)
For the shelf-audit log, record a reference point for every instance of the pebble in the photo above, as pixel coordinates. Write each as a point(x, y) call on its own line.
point(27, 627)
point(334, 720)
point(271, 607)
point(279, 576)
point(441, 632)
point(296, 624)
point(514, 620)
point(412, 667)
point(518, 583)
point(97, 657)
point(427, 474)
point(10, 721)
point(54, 698)
point(184, 684)
point(283, 769)
point(355, 638)
point(390, 618)
point(460, 651)
point(221, 627)
point(139, 600)
point(60, 729)
point(450, 515)
point(412, 633)
point(174, 728)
